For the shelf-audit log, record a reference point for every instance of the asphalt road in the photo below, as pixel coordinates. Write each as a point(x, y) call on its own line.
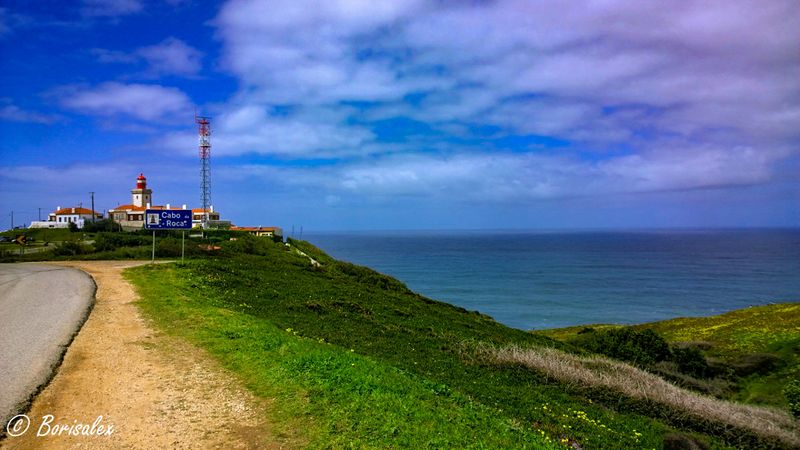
point(41, 309)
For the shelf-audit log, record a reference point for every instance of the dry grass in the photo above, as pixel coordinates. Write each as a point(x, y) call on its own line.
point(599, 372)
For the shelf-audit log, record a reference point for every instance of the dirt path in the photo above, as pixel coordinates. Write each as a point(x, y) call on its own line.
point(156, 391)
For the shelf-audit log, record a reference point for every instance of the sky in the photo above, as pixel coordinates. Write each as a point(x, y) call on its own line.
point(371, 115)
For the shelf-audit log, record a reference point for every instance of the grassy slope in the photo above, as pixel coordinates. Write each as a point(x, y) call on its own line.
point(323, 395)
point(239, 307)
point(770, 329)
point(732, 338)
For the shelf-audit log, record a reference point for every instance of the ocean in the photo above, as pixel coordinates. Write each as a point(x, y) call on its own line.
point(536, 280)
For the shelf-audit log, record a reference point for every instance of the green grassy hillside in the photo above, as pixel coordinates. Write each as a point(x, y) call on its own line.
point(353, 357)
point(756, 350)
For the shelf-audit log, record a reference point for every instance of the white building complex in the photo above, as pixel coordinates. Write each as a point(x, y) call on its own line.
point(62, 217)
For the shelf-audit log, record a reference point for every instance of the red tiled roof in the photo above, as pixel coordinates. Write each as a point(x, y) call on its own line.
point(69, 211)
point(199, 210)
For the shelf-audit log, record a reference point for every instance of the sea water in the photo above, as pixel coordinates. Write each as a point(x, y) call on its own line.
point(535, 280)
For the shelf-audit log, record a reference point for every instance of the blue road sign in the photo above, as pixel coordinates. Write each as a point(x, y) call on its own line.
point(168, 219)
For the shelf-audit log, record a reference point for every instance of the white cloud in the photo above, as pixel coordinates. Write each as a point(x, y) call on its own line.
point(43, 185)
point(111, 56)
point(172, 56)
point(470, 57)
point(110, 8)
point(250, 129)
point(14, 113)
point(513, 177)
point(148, 102)
point(695, 96)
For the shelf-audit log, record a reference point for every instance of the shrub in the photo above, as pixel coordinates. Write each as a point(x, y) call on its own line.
point(370, 277)
point(680, 441)
point(760, 363)
point(643, 348)
point(112, 241)
point(169, 247)
point(71, 248)
point(792, 394)
point(251, 245)
point(690, 361)
point(101, 225)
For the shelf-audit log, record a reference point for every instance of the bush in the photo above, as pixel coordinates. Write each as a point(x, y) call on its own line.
point(250, 245)
point(760, 363)
point(370, 277)
point(691, 361)
point(111, 241)
point(792, 394)
point(71, 248)
point(169, 247)
point(643, 348)
point(101, 225)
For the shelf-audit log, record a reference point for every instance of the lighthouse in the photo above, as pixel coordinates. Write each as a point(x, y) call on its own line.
point(141, 196)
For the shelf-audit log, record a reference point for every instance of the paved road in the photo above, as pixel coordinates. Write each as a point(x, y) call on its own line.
point(41, 309)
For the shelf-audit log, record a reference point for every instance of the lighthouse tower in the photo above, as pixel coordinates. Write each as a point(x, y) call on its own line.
point(141, 195)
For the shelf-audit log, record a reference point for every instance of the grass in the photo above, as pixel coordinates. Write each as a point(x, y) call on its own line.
point(67, 245)
point(759, 346)
point(336, 310)
point(598, 372)
point(750, 330)
point(339, 398)
point(766, 335)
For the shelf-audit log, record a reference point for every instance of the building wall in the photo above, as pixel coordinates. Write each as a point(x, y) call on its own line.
point(131, 225)
point(48, 224)
point(61, 221)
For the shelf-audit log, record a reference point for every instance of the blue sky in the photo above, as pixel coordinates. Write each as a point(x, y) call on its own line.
point(355, 114)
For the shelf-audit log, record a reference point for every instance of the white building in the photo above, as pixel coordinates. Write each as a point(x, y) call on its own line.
point(62, 217)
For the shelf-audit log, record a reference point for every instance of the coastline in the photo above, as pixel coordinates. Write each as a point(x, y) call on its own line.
point(543, 280)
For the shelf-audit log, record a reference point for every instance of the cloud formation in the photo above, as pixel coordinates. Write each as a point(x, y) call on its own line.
point(147, 102)
point(172, 56)
point(422, 106)
point(513, 177)
point(640, 96)
point(110, 8)
point(12, 112)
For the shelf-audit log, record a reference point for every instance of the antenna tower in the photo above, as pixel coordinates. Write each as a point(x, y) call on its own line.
point(204, 126)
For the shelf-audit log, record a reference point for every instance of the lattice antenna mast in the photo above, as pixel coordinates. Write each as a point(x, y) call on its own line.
point(204, 125)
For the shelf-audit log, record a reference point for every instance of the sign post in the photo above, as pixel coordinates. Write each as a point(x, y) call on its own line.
point(167, 219)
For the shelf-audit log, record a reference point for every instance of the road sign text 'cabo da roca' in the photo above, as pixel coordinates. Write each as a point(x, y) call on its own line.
point(170, 219)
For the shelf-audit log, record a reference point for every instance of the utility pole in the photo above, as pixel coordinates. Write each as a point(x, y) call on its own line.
point(40, 214)
point(12, 219)
point(92, 193)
